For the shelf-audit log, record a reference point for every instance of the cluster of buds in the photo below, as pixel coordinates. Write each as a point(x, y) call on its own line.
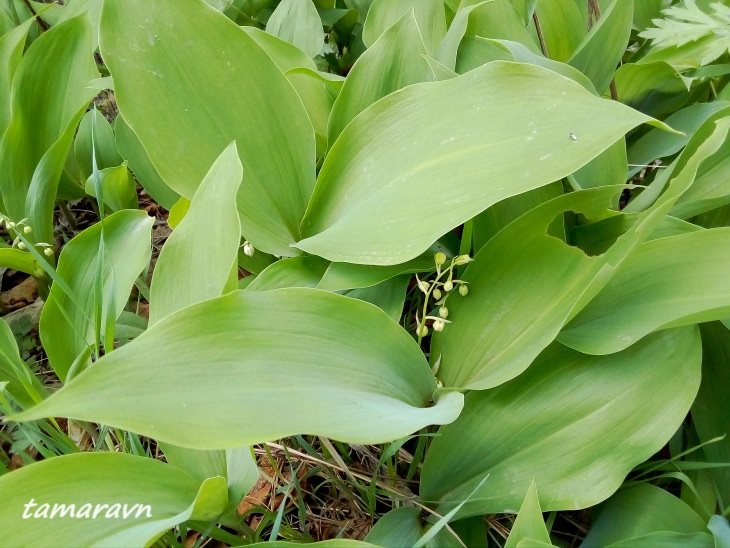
point(20, 229)
point(440, 289)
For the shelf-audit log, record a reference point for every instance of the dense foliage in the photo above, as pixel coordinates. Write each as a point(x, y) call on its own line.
point(366, 272)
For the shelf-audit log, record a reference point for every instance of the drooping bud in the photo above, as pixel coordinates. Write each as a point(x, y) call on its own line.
point(423, 286)
point(462, 259)
point(438, 325)
point(440, 258)
point(463, 290)
point(248, 249)
point(436, 294)
point(423, 330)
point(27, 230)
point(448, 286)
point(22, 246)
point(48, 252)
point(444, 312)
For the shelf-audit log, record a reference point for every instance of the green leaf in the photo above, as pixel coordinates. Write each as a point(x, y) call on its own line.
point(103, 144)
point(151, 48)
point(529, 523)
point(20, 382)
point(394, 61)
point(107, 486)
point(498, 19)
point(18, 260)
point(403, 527)
point(712, 407)
point(510, 315)
point(11, 50)
point(119, 190)
point(649, 293)
point(195, 263)
point(389, 295)
point(48, 97)
point(65, 326)
point(215, 374)
point(292, 272)
point(600, 52)
point(720, 530)
point(333, 543)
point(139, 162)
point(297, 22)
point(656, 88)
point(550, 424)
point(448, 48)
point(640, 510)
point(341, 276)
point(562, 27)
point(390, 211)
point(430, 15)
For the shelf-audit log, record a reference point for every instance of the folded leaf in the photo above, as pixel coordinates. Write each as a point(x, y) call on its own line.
point(552, 425)
point(154, 47)
point(258, 366)
point(129, 500)
point(383, 14)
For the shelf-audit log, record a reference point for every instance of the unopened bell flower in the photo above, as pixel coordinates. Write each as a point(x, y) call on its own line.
point(448, 286)
point(463, 290)
point(440, 258)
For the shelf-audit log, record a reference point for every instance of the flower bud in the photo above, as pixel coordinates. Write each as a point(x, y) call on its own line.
point(423, 286)
point(444, 312)
point(440, 258)
point(462, 259)
point(448, 286)
point(248, 249)
point(438, 325)
point(48, 252)
point(463, 290)
point(22, 246)
point(11, 224)
point(437, 293)
point(423, 330)
point(27, 230)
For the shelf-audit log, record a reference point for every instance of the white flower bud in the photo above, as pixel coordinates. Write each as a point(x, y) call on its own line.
point(423, 286)
point(27, 230)
point(463, 290)
point(438, 325)
point(22, 246)
point(11, 224)
point(436, 293)
point(448, 286)
point(440, 258)
point(444, 312)
point(423, 330)
point(248, 249)
point(48, 252)
point(462, 259)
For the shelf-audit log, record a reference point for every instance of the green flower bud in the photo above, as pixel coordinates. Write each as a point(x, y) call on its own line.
point(424, 286)
point(48, 252)
point(463, 290)
point(423, 330)
point(448, 286)
point(444, 312)
point(436, 293)
point(11, 224)
point(462, 259)
point(27, 230)
point(438, 325)
point(440, 258)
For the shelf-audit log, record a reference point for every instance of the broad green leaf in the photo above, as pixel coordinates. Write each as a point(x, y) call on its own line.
point(131, 500)
point(498, 19)
point(645, 11)
point(384, 201)
point(139, 162)
point(601, 50)
point(403, 527)
point(354, 276)
point(668, 540)
point(720, 530)
point(297, 22)
point(510, 315)
point(21, 383)
point(561, 26)
point(389, 295)
point(448, 48)
point(550, 424)
point(18, 260)
point(11, 50)
point(656, 89)
point(394, 61)
point(529, 524)
point(711, 187)
point(119, 190)
point(657, 143)
point(196, 261)
point(333, 543)
point(648, 292)
point(712, 407)
point(292, 272)
point(346, 388)
point(103, 145)
point(284, 54)
point(608, 168)
point(488, 223)
point(48, 98)
point(640, 510)
point(430, 15)
point(66, 329)
point(152, 47)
